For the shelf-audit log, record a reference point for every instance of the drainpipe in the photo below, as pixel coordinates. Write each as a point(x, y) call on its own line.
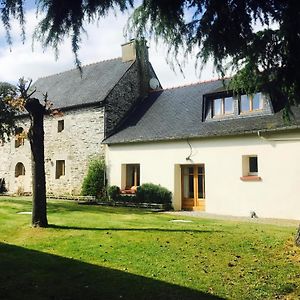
point(277, 139)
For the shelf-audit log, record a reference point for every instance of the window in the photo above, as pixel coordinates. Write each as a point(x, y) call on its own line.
point(19, 137)
point(250, 103)
point(250, 168)
point(132, 175)
point(253, 166)
point(222, 106)
point(19, 169)
point(60, 125)
point(60, 169)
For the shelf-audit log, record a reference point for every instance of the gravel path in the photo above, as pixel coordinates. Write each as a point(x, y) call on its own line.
point(204, 215)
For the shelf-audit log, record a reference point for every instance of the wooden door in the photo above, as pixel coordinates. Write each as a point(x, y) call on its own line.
point(193, 187)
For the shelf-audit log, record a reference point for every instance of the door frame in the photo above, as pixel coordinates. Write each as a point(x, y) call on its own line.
point(197, 203)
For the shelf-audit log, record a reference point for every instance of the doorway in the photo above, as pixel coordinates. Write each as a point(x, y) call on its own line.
point(193, 187)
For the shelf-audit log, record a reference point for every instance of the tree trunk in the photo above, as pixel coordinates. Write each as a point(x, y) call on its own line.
point(297, 238)
point(36, 138)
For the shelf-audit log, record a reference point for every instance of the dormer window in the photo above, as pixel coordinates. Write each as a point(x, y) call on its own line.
point(222, 106)
point(250, 103)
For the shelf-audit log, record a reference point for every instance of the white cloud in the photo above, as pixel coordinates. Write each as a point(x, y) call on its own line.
point(103, 42)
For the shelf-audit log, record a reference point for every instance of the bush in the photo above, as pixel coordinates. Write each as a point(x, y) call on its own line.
point(114, 192)
point(128, 198)
point(94, 182)
point(152, 193)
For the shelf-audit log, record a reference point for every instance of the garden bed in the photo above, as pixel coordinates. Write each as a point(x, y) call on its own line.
point(157, 206)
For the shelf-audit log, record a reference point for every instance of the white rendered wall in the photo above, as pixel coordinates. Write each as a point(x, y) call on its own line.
point(277, 195)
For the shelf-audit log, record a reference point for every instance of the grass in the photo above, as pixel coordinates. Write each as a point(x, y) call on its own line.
point(92, 252)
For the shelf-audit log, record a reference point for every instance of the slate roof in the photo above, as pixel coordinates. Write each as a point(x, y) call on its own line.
point(177, 114)
point(69, 89)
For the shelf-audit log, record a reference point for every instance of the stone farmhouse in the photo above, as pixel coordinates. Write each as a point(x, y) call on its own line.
point(216, 152)
point(93, 103)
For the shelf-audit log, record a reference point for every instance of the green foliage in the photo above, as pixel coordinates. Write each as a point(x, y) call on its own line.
point(94, 182)
point(224, 31)
point(7, 112)
point(12, 9)
point(128, 198)
point(113, 192)
point(65, 19)
point(152, 193)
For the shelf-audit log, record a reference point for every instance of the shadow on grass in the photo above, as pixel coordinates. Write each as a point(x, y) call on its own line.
point(29, 274)
point(66, 205)
point(63, 227)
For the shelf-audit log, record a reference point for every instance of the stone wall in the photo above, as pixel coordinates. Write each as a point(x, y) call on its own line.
point(77, 144)
point(9, 157)
point(121, 99)
point(84, 130)
point(132, 88)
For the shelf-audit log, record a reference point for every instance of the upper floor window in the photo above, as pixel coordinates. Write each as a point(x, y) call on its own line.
point(19, 137)
point(222, 106)
point(60, 125)
point(250, 103)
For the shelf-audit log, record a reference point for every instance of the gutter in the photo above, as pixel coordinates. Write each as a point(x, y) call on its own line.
point(276, 139)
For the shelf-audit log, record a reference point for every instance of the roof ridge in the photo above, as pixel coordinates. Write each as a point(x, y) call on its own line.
point(189, 84)
point(93, 63)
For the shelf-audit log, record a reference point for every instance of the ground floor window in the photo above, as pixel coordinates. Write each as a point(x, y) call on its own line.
point(132, 175)
point(60, 169)
point(250, 167)
point(19, 169)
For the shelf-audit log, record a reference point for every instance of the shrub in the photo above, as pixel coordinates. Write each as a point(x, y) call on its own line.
point(152, 193)
point(128, 198)
point(94, 182)
point(113, 192)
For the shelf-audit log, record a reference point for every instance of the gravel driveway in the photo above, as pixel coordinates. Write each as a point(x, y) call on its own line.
point(204, 215)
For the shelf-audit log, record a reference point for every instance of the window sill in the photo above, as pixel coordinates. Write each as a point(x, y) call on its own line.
point(250, 178)
point(222, 116)
point(249, 112)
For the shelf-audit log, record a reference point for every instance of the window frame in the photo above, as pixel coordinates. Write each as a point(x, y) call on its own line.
point(247, 174)
point(20, 169)
point(250, 98)
point(252, 173)
point(60, 168)
point(60, 126)
point(19, 137)
point(223, 111)
point(136, 173)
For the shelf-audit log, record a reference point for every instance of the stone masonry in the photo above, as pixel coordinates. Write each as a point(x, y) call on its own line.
point(84, 125)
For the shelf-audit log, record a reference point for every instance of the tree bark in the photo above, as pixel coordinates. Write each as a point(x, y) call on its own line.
point(297, 238)
point(36, 138)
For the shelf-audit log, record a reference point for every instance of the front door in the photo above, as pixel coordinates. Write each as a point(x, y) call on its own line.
point(193, 187)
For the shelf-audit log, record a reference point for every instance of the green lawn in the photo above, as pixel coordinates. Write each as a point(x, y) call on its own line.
point(93, 252)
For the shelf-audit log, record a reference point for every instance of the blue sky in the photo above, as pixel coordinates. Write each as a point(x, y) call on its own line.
point(103, 41)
